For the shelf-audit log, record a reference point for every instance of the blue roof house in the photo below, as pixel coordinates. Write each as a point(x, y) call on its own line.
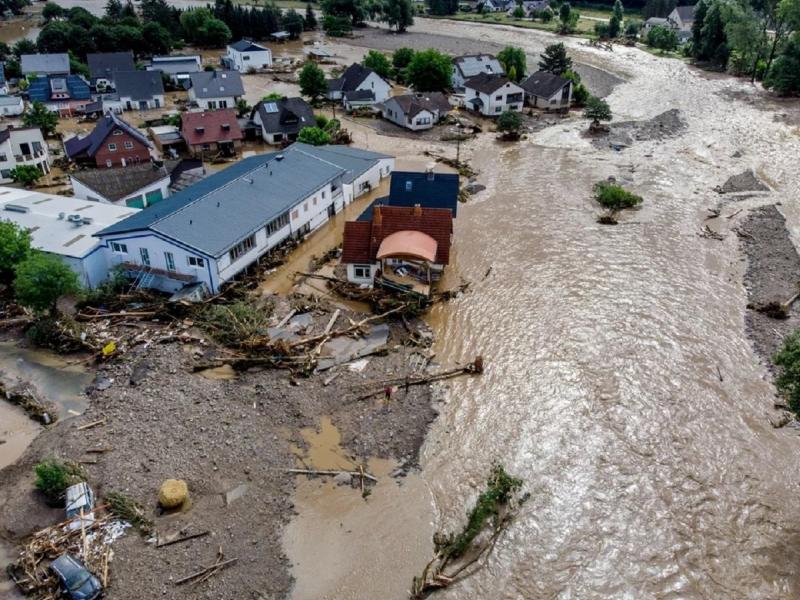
point(60, 93)
point(213, 230)
point(428, 189)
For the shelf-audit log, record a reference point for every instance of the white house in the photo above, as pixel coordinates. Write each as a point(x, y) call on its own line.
point(416, 111)
point(138, 90)
point(492, 95)
point(547, 91)
point(25, 146)
point(65, 227)
point(138, 186)
point(216, 89)
point(361, 83)
point(244, 56)
point(11, 106)
point(471, 65)
point(210, 232)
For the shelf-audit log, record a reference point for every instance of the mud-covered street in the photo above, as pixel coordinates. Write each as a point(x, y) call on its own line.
point(627, 383)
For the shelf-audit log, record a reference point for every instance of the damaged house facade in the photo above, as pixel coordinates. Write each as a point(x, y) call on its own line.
point(402, 248)
point(210, 232)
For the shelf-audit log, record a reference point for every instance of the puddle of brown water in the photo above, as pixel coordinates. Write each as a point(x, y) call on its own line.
point(342, 547)
point(17, 431)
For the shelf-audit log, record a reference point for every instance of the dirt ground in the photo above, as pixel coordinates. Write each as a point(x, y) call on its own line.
point(163, 421)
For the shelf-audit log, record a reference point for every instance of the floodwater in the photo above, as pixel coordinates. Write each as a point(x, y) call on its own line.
point(619, 383)
point(54, 379)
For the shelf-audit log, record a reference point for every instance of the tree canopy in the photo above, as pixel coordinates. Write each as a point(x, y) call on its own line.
point(597, 110)
point(514, 62)
point(398, 14)
point(37, 115)
point(312, 81)
point(378, 62)
point(662, 38)
point(429, 71)
point(15, 246)
point(314, 136)
point(41, 279)
point(555, 59)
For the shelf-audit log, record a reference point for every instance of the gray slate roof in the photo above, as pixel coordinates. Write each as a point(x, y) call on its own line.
point(115, 184)
point(413, 104)
point(217, 84)
point(287, 115)
point(247, 46)
point(486, 83)
point(354, 161)
point(104, 64)
point(686, 13)
point(138, 85)
point(473, 64)
point(353, 76)
point(218, 212)
point(543, 84)
point(44, 63)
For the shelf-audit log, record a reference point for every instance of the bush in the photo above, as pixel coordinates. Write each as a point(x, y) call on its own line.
point(60, 335)
point(510, 124)
point(41, 279)
point(314, 136)
point(615, 197)
point(597, 110)
point(54, 477)
point(787, 359)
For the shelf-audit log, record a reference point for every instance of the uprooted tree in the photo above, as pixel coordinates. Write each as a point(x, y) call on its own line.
point(458, 556)
point(613, 198)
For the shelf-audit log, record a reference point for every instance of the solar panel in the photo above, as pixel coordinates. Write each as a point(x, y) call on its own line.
point(271, 107)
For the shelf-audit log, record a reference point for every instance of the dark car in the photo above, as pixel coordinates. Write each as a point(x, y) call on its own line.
point(76, 581)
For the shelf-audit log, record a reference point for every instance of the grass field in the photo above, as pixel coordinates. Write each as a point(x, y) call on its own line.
point(585, 26)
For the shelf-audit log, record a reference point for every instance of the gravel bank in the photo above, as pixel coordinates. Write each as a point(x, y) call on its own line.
point(773, 270)
point(163, 422)
point(665, 125)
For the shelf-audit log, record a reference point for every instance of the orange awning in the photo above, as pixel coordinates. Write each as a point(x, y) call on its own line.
point(408, 244)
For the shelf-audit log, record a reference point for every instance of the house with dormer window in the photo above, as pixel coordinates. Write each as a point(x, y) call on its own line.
point(211, 90)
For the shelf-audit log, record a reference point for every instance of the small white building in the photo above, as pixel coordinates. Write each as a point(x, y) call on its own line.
point(65, 227)
point(211, 90)
point(11, 106)
point(416, 111)
point(24, 146)
point(245, 56)
point(492, 95)
point(137, 186)
point(361, 83)
point(210, 232)
point(138, 90)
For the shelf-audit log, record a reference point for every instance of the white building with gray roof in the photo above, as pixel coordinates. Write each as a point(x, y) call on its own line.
point(211, 90)
point(44, 64)
point(471, 65)
point(215, 229)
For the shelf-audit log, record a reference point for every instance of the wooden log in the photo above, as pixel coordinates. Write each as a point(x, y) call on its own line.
point(214, 567)
point(365, 475)
point(185, 538)
point(92, 424)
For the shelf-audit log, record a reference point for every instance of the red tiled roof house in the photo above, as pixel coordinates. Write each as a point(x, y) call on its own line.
point(211, 132)
point(403, 248)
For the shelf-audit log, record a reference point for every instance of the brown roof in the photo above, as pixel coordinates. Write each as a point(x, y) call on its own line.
point(363, 238)
point(210, 126)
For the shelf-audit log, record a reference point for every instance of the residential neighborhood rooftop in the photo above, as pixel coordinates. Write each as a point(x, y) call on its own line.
point(210, 126)
point(413, 104)
point(543, 84)
point(486, 83)
point(228, 206)
point(103, 65)
point(354, 161)
point(138, 85)
point(247, 46)
point(50, 219)
point(53, 87)
point(216, 84)
point(352, 77)
point(91, 143)
point(44, 63)
point(428, 189)
point(115, 184)
point(286, 115)
point(473, 64)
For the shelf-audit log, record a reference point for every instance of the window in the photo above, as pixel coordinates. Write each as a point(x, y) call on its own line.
point(37, 147)
point(145, 256)
point(206, 146)
point(277, 224)
point(108, 163)
point(119, 248)
point(305, 207)
point(129, 145)
point(498, 109)
point(323, 194)
point(117, 132)
point(195, 261)
point(5, 173)
point(246, 57)
point(295, 214)
point(170, 260)
point(242, 247)
point(223, 104)
point(3, 158)
point(112, 147)
point(499, 98)
point(314, 201)
point(362, 271)
point(24, 148)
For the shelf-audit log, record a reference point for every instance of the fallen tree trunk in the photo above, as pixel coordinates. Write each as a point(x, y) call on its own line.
point(474, 368)
point(331, 473)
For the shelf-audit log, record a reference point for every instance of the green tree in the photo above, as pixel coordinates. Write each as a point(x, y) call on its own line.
point(546, 15)
point(615, 23)
point(378, 62)
point(398, 14)
point(513, 59)
point(700, 12)
point(713, 45)
point(632, 29)
point(312, 81)
point(746, 32)
point(272, 97)
point(614, 197)
point(787, 359)
point(216, 34)
point(784, 74)
point(41, 279)
point(24, 46)
point(314, 136)
point(602, 30)
point(518, 12)
point(597, 110)
point(662, 38)
point(337, 26)
point(354, 10)
point(114, 9)
point(580, 94)
point(429, 71)
point(156, 38)
point(310, 21)
point(568, 17)
point(555, 59)
point(15, 246)
point(400, 60)
point(242, 107)
point(509, 123)
point(27, 175)
point(293, 22)
point(52, 11)
point(37, 115)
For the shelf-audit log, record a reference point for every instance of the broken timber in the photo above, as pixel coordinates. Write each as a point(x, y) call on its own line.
point(363, 474)
point(474, 368)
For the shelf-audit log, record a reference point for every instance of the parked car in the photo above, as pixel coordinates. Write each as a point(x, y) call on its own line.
point(80, 498)
point(77, 582)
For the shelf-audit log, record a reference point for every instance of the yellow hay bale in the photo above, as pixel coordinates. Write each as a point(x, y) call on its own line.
point(173, 493)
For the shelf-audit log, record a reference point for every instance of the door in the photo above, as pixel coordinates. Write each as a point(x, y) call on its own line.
point(145, 256)
point(142, 104)
point(170, 260)
point(331, 210)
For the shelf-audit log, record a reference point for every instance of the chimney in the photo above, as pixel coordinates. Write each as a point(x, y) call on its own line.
point(430, 174)
point(417, 210)
point(377, 217)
